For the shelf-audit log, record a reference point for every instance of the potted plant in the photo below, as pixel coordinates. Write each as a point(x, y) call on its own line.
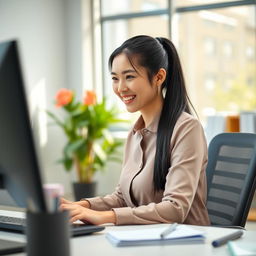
point(89, 143)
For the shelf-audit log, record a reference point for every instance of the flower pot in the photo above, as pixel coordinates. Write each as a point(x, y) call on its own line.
point(84, 190)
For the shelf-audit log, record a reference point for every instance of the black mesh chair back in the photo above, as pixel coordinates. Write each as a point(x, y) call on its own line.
point(231, 178)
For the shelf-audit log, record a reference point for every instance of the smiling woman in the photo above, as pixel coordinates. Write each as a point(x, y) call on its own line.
point(132, 85)
point(163, 175)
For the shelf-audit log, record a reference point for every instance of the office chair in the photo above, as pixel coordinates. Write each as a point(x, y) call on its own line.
point(231, 178)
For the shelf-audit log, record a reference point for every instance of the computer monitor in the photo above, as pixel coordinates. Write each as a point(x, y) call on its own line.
point(19, 168)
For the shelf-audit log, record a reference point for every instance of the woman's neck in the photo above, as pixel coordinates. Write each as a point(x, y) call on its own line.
point(152, 111)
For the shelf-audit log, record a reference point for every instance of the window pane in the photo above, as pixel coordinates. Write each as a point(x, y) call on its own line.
point(112, 7)
point(183, 3)
point(217, 49)
point(116, 32)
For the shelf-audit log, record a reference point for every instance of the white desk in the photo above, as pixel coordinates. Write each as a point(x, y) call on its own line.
point(96, 244)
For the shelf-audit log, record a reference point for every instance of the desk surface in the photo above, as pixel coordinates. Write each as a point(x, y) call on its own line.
point(97, 244)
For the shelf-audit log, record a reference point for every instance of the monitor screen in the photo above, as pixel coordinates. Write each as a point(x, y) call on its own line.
point(19, 168)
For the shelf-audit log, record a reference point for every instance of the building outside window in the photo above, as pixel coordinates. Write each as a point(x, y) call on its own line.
point(212, 37)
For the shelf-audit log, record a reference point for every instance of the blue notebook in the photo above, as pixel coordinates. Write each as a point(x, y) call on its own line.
point(181, 235)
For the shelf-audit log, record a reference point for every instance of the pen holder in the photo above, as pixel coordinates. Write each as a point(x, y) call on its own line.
point(48, 234)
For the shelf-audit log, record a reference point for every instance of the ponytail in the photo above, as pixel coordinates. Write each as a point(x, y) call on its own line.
point(175, 102)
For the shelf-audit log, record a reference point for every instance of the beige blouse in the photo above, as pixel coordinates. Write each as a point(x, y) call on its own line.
point(184, 197)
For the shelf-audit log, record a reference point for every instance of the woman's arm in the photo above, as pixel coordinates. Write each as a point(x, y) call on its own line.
point(94, 204)
point(115, 200)
point(79, 212)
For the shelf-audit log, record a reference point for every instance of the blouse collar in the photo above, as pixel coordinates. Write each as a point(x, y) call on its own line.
point(152, 127)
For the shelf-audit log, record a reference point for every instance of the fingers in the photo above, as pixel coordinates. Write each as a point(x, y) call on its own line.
point(66, 206)
point(78, 212)
point(82, 203)
point(75, 211)
point(65, 201)
point(76, 217)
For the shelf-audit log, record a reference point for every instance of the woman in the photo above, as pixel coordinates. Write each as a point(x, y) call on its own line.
point(163, 176)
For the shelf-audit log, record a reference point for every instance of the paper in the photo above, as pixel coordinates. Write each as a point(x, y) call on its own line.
point(182, 234)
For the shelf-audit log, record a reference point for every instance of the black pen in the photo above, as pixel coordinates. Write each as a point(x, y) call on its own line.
point(223, 240)
point(169, 230)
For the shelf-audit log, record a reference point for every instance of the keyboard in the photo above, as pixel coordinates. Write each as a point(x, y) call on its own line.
point(18, 225)
point(7, 222)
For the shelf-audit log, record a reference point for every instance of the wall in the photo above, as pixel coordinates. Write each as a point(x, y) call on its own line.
point(40, 29)
point(51, 36)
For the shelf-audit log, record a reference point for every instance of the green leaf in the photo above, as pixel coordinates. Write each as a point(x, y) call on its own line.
point(99, 152)
point(107, 135)
point(73, 147)
point(58, 122)
point(67, 162)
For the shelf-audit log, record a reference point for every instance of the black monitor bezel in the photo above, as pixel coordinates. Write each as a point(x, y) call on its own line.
point(25, 189)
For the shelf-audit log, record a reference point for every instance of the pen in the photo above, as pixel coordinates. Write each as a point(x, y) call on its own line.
point(220, 241)
point(169, 230)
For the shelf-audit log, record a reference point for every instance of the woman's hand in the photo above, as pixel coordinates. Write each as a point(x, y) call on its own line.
point(83, 203)
point(78, 211)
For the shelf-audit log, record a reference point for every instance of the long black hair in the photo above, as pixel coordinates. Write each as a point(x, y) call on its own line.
point(153, 54)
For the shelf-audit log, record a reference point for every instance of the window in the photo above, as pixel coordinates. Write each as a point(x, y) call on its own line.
point(128, 18)
point(210, 83)
point(227, 49)
point(210, 46)
point(184, 3)
point(250, 52)
point(215, 39)
point(117, 7)
point(218, 41)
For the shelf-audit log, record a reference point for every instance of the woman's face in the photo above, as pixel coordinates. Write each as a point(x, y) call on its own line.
point(133, 86)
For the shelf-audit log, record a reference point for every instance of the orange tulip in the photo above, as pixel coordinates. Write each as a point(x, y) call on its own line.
point(89, 98)
point(63, 97)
